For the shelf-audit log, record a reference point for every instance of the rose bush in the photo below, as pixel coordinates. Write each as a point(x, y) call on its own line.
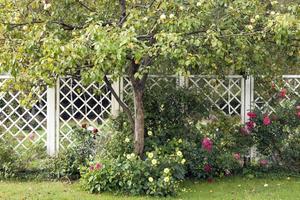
point(277, 133)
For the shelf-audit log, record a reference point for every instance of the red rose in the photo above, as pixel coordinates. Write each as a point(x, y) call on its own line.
point(267, 120)
point(250, 125)
point(92, 168)
point(251, 115)
point(282, 93)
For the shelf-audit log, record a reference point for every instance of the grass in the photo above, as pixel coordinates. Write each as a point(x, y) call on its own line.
point(225, 189)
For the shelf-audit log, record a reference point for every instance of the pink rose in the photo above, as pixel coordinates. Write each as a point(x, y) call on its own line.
point(92, 168)
point(98, 166)
point(263, 162)
point(95, 131)
point(207, 168)
point(245, 130)
point(32, 136)
point(237, 156)
point(267, 120)
point(207, 144)
point(298, 114)
point(227, 172)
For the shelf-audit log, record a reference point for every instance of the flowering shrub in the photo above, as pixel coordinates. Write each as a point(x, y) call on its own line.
point(129, 174)
point(176, 147)
point(277, 134)
point(222, 149)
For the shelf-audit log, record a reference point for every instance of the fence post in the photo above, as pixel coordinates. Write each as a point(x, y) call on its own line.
point(52, 121)
point(115, 107)
point(248, 100)
point(183, 81)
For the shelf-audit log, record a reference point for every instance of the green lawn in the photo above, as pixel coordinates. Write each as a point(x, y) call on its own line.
point(227, 189)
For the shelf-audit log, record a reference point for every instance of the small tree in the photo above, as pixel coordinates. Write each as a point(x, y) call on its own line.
point(42, 40)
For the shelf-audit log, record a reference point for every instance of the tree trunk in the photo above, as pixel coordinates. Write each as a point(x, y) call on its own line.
point(139, 123)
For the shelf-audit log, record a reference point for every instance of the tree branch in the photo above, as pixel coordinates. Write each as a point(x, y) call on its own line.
point(123, 12)
point(122, 104)
point(85, 6)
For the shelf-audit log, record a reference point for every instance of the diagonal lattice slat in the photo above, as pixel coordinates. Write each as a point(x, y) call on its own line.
point(19, 126)
point(225, 94)
point(264, 93)
point(79, 104)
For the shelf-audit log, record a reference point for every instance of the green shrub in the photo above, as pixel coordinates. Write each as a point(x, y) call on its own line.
point(67, 163)
point(8, 158)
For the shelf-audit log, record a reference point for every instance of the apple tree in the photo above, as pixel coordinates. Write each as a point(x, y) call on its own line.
point(41, 40)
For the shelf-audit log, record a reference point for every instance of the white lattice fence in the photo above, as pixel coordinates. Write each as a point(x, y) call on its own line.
point(19, 126)
point(224, 94)
point(153, 81)
point(52, 119)
point(80, 104)
point(264, 92)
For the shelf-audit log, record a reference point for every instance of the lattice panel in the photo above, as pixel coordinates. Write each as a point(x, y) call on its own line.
point(152, 81)
point(225, 94)
point(80, 104)
point(22, 127)
point(266, 93)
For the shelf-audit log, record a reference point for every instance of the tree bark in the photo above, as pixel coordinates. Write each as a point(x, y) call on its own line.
point(139, 123)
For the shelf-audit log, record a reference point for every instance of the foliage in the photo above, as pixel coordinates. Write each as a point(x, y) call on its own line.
point(174, 141)
point(8, 159)
point(277, 134)
point(67, 163)
point(209, 36)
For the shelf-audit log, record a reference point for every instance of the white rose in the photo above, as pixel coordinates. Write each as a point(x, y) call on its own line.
point(154, 162)
point(47, 6)
point(150, 179)
point(183, 161)
point(150, 155)
point(150, 133)
point(166, 179)
point(172, 16)
point(166, 170)
point(163, 17)
point(179, 153)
